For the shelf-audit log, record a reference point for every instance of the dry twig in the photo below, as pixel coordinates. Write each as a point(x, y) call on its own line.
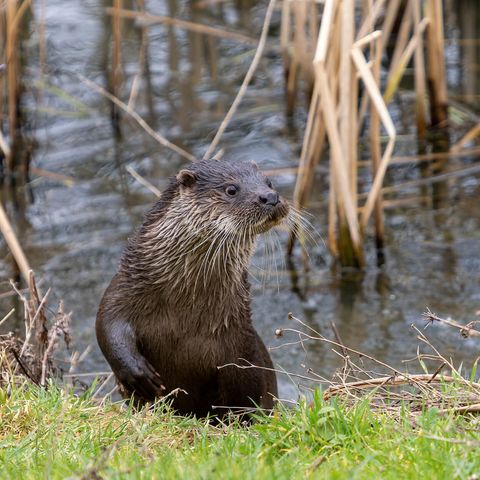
point(465, 330)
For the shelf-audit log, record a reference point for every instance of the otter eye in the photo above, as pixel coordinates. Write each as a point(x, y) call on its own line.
point(231, 190)
point(269, 183)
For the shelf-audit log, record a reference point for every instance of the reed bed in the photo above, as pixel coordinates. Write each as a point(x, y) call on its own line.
point(348, 55)
point(342, 60)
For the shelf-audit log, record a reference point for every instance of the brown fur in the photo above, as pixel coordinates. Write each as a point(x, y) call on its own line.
point(179, 306)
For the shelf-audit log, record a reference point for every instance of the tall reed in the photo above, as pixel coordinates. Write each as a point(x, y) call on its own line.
point(344, 62)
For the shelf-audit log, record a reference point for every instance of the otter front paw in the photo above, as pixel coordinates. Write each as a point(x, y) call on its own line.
point(142, 380)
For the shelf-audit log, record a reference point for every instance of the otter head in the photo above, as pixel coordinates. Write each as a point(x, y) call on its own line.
point(236, 198)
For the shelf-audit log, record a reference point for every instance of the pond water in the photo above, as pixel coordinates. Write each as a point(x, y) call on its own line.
point(73, 234)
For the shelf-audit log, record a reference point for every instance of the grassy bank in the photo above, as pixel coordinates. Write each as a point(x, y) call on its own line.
point(53, 434)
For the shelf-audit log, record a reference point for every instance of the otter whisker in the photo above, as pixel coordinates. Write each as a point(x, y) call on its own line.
point(299, 225)
point(301, 219)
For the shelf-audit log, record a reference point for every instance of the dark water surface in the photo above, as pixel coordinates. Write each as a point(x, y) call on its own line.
point(74, 234)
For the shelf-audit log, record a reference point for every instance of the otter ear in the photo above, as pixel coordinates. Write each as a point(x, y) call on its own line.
point(187, 178)
point(255, 165)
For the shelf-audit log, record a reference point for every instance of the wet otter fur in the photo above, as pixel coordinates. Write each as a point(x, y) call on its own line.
point(179, 306)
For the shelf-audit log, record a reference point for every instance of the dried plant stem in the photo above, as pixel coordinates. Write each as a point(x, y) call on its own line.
point(246, 80)
point(397, 72)
point(13, 244)
point(465, 330)
point(468, 137)
point(402, 37)
point(116, 74)
point(420, 80)
point(376, 150)
point(436, 63)
point(143, 181)
point(349, 232)
point(390, 380)
point(175, 22)
point(141, 62)
point(378, 103)
point(158, 137)
point(12, 79)
point(359, 379)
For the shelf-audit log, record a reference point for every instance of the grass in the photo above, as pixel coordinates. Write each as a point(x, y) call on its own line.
point(54, 434)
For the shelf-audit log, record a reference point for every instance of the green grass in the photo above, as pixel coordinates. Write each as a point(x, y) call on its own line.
point(53, 434)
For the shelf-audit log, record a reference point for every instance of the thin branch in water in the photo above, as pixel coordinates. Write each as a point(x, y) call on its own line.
point(140, 121)
point(246, 81)
point(143, 181)
point(465, 330)
point(150, 19)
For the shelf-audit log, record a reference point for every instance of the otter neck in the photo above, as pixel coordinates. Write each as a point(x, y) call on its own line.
point(192, 268)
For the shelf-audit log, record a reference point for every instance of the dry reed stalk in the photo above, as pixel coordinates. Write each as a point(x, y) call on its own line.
point(13, 244)
point(315, 134)
point(175, 22)
point(12, 79)
point(243, 88)
point(298, 33)
point(57, 177)
point(473, 133)
point(419, 72)
point(346, 95)
point(3, 28)
point(140, 121)
point(391, 15)
point(141, 61)
point(370, 19)
point(116, 74)
point(285, 32)
point(335, 97)
point(436, 63)
point(143, 181)
point(459, 172)
point(348, 231)
point(333, 112)
point(302, 41)
point(14, 13)
point(402, 37)
point(397, 71)
point(335, 390)
point(377, 103)
point(358, 377)
point(4, 146)
point(428, 157)
point(375, 147)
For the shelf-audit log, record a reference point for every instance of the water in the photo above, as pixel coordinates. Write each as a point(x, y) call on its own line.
point(74, 234)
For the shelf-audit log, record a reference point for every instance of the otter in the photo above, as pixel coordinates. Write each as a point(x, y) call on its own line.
point(179, 306)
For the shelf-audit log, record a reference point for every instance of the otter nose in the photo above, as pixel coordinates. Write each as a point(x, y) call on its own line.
point(270, 198)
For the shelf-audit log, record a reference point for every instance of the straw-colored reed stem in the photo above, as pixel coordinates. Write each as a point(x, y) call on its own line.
point(338, 106)
point(436, 63)
point(12, 79)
